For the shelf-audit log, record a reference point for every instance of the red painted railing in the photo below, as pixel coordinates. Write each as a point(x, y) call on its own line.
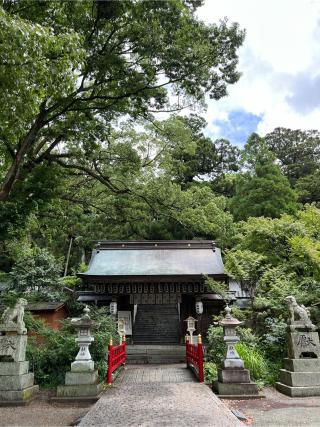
point(116, 357)
point(194, 356)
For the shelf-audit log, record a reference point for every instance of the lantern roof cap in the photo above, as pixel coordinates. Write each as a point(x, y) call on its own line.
point(229, 320)
point(84, 320)
point(191, 318)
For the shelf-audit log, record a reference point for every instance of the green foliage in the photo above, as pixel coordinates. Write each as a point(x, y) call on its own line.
point(308, 188)
point(216, 348)
point(210, 372)
point(51, 351)
point(106, 329)
point(297, 151)
point(37, 273)
point(51, 358)
point(71, 281)
point(273, 340)
point(255, 362)
point(246, 267)
point(263, 192)
point(216, 287)
point(63, 75)
point(260, 355)
point(281, 257)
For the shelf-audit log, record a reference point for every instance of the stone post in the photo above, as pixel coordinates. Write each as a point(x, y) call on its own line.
point(301, 374)
point(16, 383)
point(233, 379)
point(81, 383)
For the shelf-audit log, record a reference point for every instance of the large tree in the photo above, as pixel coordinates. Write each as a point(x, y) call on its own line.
point(298, 151)
point(263, 190)
point(70, 69)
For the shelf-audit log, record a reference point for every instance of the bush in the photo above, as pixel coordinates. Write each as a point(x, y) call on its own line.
point(216, 348)
point(273, 341)
point(51, 352)
point(251, 349)
point(253, 360)
point(210, 372)
point(262, 371)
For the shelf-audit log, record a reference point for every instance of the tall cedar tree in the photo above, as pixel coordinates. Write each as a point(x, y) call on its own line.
point(264, 192)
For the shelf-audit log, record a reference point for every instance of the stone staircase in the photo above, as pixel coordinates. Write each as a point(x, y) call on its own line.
point(155, 354)
point(157, 324)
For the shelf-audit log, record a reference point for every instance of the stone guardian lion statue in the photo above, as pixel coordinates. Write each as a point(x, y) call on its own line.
point(301, 312)
point(14, 316)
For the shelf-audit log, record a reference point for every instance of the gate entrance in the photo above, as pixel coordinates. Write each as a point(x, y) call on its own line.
point(157, 324)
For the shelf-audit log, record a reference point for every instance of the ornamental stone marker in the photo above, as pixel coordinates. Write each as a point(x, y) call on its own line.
point(233, 379)
point(301, 374)
point(81, 383)
point(16, 383)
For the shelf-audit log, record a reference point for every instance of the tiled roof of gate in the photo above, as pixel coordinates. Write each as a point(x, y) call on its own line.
point(155, 259)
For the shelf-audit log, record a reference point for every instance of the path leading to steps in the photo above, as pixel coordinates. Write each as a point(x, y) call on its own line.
point(159, 395)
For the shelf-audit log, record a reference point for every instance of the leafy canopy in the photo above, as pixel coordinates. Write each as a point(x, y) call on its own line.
point(70, 69)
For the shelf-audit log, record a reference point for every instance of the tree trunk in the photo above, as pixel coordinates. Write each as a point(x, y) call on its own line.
point(23, 148)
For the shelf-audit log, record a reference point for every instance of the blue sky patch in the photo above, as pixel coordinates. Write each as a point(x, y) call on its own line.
point(238, 127)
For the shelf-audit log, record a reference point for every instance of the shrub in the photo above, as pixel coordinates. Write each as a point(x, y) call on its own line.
point(51, 352)
point(251, 349)
point(253, 360)
point(216, 348)
point(273, 341)
point(210, 372)
point(261, 369)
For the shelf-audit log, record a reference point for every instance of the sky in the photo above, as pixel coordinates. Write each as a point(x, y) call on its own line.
point(280, 66)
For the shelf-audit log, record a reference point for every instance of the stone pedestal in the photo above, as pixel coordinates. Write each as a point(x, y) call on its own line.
point(233, 379)
point(236, 384)
point(301, 374)
point(81, 383)
point(16, 383)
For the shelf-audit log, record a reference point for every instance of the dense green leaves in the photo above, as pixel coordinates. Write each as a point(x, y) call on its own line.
point(264, 192)
point(278, 257)
point(69, 71)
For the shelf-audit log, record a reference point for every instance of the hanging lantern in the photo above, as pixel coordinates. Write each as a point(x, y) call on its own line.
point(199, 307)
point(113, 308)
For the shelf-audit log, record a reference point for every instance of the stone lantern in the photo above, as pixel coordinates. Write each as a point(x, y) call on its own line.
point(229, 324)
point(233, 379)
point(81, 383)
point(83, 360)
point(191, 327)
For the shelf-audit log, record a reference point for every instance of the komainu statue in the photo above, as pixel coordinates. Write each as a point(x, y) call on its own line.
point(14, 316)
point(301, 312)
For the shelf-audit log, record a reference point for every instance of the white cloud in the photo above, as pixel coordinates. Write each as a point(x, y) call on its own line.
point(279, 62)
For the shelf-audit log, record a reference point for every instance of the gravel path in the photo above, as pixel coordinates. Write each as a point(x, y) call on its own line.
point(40, 413)
point(165, 395)
point(279, 410)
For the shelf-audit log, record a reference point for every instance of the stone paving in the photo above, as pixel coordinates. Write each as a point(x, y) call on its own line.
point(159, 395)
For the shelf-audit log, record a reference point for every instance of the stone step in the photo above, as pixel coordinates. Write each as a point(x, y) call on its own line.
point(156, 324)
point(157, 354)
